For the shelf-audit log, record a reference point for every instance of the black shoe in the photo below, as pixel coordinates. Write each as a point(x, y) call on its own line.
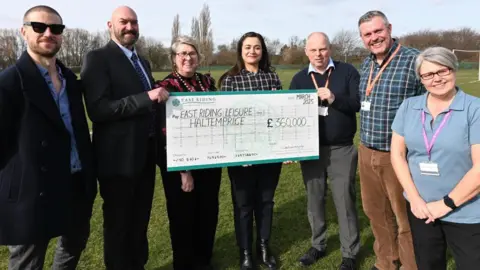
point(348, 264)
point(246, 262)
point(311, 256)
point(265, 255)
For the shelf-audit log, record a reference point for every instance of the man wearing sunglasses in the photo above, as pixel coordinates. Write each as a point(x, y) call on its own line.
point(120, 97)
point(47, 181)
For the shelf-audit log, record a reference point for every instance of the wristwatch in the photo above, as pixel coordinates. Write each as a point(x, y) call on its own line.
point(449, 202)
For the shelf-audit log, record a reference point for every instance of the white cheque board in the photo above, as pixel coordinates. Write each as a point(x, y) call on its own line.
point(221, 129)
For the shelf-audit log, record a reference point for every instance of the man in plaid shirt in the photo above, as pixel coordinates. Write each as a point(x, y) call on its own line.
point(387, 78)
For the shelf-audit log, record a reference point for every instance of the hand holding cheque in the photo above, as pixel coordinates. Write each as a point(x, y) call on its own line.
point(158, 94)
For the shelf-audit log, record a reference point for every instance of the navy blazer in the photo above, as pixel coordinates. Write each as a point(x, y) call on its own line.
point(36, 188)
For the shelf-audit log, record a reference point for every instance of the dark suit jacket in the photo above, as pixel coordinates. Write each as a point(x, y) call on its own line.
point(120, 111)
point(36, 187)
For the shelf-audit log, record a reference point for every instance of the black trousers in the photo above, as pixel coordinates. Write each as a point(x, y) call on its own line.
point(430, 242)
point(127, 203)
point(253, 189)
point(193, 216)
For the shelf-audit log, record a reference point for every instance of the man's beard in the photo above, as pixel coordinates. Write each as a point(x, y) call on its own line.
point(48, 53)
point(127, 41)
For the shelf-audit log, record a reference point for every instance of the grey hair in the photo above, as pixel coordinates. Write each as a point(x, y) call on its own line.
point(325, 36)
point(438, 55)
point(372, 14)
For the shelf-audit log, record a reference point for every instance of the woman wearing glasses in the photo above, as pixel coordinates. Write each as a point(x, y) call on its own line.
point(435, 153)
point(253, 187)
point(192, 196)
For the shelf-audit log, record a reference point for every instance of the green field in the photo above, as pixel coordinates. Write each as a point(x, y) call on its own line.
point(290, 233)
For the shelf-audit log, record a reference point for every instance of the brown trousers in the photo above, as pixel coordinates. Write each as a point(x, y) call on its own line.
point(385, 206)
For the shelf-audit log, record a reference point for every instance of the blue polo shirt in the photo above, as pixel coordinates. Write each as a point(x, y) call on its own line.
point(451, 150)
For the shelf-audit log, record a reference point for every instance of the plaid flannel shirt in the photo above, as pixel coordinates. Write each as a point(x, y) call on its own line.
point(247, 81)
point(397, 82)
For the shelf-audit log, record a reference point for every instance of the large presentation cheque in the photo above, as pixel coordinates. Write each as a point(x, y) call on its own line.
point(220, 129)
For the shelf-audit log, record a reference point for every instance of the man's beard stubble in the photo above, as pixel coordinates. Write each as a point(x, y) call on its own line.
point(36, 48)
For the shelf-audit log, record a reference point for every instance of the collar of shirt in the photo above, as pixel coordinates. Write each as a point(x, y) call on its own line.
point(458, 103)
point(128, 53)
point(45, 73)
point(311, 68)
point(390, 51)
point(249, 73)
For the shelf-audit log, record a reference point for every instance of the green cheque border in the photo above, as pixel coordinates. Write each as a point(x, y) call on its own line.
point(229, 164)
point(259, 92)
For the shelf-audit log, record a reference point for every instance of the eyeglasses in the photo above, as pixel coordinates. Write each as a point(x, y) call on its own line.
point(185, 54)
point(38, 27)
point(442, 73)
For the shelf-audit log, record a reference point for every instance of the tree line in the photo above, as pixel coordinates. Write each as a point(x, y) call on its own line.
point(346, 45)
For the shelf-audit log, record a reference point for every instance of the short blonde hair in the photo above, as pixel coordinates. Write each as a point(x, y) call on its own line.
point(179, 41)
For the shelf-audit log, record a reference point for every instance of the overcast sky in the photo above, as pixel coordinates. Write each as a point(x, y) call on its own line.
point(272, 18)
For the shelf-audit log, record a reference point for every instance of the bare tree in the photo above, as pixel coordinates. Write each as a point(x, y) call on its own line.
point(195, 30)
point(233, 45)
point(175, 28)
point(345, 42)
point(76, 44)
point(422, 39)
point(205, 35)
point(155, 53)
point(11, 46)
point(273, 46)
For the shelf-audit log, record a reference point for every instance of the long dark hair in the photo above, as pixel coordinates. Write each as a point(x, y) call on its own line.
point(263, 65)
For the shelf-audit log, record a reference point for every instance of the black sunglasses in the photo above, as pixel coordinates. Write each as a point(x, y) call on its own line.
point(38, 27)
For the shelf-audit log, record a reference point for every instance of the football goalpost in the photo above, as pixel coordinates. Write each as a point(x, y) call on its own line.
point(471, 51)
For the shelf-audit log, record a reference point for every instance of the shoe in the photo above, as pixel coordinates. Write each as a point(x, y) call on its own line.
point(311, 256)
point(348, 264)
point(246, 262)
point(265, 255)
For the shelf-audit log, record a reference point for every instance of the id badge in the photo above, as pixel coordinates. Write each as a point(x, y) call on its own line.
point(323, 111)
point(365, 106)
point(429, 168)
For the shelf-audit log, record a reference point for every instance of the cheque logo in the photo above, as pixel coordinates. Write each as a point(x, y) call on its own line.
point(176, 102)
point(199, 100)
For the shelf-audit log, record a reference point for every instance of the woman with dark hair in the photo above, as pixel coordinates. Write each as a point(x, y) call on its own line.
point(253, 186)
point(192, 196)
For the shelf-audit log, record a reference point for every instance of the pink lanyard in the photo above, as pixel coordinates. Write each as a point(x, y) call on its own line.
point(434, 138)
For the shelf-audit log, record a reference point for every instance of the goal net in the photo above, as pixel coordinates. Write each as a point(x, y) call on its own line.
point(472, 56)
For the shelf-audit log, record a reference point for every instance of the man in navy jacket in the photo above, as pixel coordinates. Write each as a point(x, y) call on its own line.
point(337, 88)
point(47, 179)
